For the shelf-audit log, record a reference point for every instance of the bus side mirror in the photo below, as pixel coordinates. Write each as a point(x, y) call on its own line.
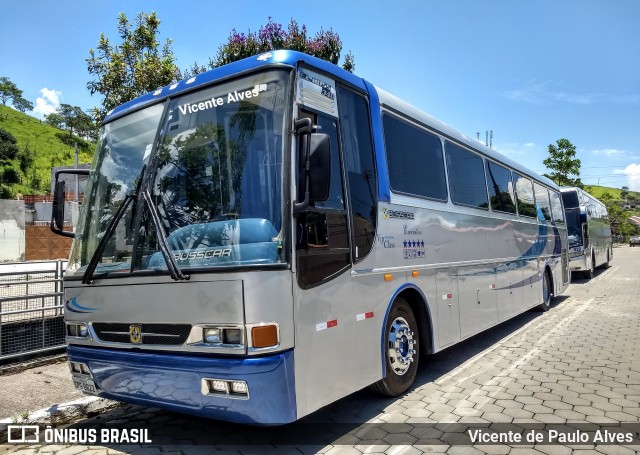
point(319, 167)
point(583, 215)
point(57, 207)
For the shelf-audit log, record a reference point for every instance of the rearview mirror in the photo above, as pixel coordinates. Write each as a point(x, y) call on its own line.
point(57, 207)
point(319, 167)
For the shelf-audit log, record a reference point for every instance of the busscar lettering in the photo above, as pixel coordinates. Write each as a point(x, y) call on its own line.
point(325, 88)
point(397, 214)
point(217, 253)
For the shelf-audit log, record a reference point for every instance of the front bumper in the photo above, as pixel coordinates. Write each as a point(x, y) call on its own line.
point(174, 382)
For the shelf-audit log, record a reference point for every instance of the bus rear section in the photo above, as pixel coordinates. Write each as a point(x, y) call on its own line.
point(589, 233)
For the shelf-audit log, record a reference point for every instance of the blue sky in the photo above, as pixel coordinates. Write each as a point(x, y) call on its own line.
point(531, 71)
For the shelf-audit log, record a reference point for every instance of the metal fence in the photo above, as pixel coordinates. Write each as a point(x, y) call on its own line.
point(31, 308)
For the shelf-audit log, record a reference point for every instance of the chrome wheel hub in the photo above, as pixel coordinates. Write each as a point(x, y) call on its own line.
point(401, 346)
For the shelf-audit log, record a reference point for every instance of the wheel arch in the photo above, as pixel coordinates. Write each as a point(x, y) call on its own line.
point(418, 303)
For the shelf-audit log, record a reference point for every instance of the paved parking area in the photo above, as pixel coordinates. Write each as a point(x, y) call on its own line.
point(574, 370)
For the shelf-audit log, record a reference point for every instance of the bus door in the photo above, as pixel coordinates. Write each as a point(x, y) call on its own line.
point(334, 354)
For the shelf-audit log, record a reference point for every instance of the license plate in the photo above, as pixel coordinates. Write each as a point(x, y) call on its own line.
point(85, 384)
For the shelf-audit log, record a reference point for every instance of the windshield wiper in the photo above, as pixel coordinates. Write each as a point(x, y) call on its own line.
point(87, 278)
point(174, 269)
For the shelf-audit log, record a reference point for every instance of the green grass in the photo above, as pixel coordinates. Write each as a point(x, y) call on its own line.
point(44, 140)
point(598, 191)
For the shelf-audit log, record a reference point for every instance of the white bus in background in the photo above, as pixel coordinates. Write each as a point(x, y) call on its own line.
point(272, 235)
point(590, 242)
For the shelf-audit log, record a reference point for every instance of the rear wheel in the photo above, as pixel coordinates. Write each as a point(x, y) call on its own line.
point(589, 273)
point(401, 350)
point(606, 264)
point(546, 292)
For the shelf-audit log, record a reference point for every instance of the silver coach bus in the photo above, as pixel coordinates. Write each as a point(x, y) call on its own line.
point(267, 237)
point(588, 230)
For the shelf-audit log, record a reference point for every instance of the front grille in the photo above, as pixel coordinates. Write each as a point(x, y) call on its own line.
point(167, 334)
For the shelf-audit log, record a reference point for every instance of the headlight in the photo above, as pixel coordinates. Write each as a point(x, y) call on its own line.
point(223, 336)
point(77, 330)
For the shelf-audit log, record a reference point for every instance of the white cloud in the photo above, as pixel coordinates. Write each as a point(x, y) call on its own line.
point(610, 152)
point(632, 171)
point(544, 92)
point(48, 103)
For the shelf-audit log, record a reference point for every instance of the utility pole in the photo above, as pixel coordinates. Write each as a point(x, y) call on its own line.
point(75, 195)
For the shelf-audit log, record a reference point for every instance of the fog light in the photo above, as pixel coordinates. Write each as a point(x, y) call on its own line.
point(211, 335)
point(219, 386)
point(264, 336)
point(239, 388)
point(232, 336)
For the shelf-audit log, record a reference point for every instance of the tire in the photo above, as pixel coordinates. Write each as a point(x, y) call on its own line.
point(401, 350)
point(589, 273)
point(546, 293)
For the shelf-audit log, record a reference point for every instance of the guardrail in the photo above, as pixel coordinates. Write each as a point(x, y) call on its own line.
point(31, 308)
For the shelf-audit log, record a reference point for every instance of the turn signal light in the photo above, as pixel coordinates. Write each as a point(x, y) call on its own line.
point(264, 336)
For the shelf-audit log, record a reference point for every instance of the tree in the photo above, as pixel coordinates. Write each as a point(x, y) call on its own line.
point(26, 157)
point(22, 105)
point(325, 44)
point(8, 146)
point(54, 119)
point(136, 66)
point(10, 92)
point(75, 121)
point(563, 163)
point(624, 193)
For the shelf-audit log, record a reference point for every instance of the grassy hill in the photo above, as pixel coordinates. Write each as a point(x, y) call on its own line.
point(598, 191)
point(48, 144)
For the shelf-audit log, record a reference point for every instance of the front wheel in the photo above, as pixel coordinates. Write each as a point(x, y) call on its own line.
point(401, 350)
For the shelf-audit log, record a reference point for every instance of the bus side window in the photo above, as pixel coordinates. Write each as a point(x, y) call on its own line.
point(360, 167)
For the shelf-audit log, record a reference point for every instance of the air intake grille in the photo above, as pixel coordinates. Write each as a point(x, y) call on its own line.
point(167, 334)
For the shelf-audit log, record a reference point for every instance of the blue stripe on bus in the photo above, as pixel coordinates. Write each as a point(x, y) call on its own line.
point(173, 382)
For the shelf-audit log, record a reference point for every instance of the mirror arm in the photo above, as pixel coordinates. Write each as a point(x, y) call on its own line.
point(299, 125)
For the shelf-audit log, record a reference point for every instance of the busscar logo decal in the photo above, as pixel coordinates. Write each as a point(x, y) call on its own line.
point(397, 214)
point(217, 253)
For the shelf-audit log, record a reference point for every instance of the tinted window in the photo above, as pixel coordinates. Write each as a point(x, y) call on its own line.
point(556, 207)
point(570, 199)
point(467, 185)
point(500, 188)
point(542, 199)
point(358, 155)
point(329, 126)
point(415, 161)
point(524, 195)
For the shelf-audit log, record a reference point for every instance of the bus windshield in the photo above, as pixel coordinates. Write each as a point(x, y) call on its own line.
point(210, 163)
